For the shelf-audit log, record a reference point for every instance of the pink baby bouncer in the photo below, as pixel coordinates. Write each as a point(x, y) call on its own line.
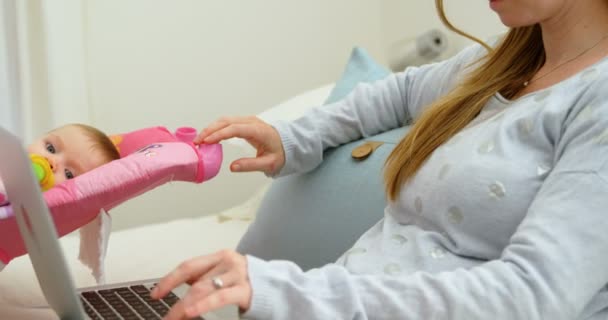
point(150, 157)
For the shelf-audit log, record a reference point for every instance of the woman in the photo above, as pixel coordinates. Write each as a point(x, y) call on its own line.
point(500, 187)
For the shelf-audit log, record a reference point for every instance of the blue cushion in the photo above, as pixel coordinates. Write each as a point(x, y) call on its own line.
point(361, 67)
point(313, 218)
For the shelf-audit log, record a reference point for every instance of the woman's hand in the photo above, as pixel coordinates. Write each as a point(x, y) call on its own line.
point(270, 156)
point(216, 280)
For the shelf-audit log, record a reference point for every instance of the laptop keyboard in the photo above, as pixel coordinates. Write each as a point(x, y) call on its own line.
point(128, 303)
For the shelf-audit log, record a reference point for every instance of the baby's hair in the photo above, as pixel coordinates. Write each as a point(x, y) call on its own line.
point(101, 141)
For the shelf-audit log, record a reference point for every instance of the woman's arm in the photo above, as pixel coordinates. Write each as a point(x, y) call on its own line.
point(297, 146)
point(369, 109)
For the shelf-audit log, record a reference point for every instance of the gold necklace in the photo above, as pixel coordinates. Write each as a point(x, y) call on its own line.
point(569, 60)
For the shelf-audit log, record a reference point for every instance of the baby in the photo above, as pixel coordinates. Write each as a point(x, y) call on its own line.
point(158, 156)
point(74, 149)
point(71, 150)
point(63, 153)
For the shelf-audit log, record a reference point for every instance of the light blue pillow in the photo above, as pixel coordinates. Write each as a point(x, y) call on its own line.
point(361, 67)
point(313, 218)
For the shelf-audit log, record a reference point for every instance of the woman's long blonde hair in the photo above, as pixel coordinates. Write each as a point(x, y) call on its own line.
point(504, 69)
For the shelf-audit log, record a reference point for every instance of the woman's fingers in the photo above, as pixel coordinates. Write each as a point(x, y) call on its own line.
point(270, 156)
point(217, 289)
point(225, 281)
point(218, 299)
point(267, 164)
point(187, 270)
point(213, 127)
point(177, 312)
point(247, 131)
point(215, 300)
point(207, 285)
point(217, 271)
point(220, 124)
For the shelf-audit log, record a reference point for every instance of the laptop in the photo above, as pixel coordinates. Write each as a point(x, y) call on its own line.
point(130, 300)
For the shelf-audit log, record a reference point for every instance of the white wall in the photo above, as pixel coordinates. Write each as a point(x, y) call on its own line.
point(26, 101)
point(178, 63)
point(10, 117)
point(188, 62)
point(404, 18)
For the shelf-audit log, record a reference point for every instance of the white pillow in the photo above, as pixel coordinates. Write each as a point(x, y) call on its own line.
point(298, 105)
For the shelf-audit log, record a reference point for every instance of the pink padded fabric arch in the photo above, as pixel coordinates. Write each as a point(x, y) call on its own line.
point(150, 158)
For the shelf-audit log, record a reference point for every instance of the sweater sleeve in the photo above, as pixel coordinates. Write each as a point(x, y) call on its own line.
point(369, 109)
point(554, 265)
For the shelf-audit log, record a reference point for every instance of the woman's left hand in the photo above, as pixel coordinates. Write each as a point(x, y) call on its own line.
point(216, 280)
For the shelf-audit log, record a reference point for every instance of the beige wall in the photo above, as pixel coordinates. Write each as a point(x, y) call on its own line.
point(187, 62)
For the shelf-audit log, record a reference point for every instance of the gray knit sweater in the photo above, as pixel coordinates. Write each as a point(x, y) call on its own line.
point(507, 220)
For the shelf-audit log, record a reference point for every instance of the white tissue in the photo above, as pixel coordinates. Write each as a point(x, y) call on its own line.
point(94, 244)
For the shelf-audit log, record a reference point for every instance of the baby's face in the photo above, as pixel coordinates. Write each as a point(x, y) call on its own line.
point(69, 152)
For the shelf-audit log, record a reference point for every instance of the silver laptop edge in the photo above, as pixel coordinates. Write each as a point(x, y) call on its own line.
point(37, 229)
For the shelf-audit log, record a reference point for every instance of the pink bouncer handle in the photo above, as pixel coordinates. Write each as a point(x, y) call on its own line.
point(76, 202)
point(211, 153)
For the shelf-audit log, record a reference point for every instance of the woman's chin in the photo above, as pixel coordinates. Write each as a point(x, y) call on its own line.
point(514, 22)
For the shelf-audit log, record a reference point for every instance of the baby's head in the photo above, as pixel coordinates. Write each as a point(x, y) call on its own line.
point(74, 149)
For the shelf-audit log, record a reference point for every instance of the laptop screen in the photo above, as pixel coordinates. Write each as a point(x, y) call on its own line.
point(37, 228)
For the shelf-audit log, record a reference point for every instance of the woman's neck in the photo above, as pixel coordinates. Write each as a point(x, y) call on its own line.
point(578, 27)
